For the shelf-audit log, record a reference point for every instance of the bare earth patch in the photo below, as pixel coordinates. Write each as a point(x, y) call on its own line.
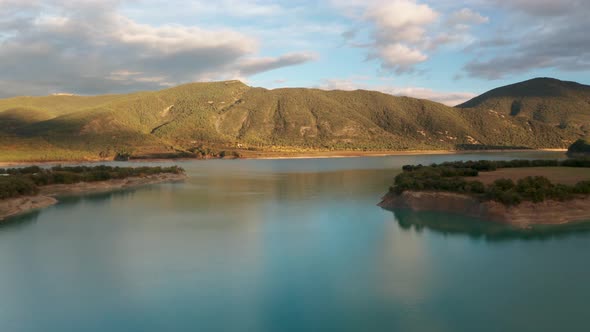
point(563, 175)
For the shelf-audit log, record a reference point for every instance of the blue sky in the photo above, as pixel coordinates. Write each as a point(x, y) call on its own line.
point(443, 50)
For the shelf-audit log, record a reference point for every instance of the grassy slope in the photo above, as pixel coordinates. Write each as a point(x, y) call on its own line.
point(225, 114)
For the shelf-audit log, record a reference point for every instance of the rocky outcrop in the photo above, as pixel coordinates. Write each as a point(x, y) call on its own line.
point(523, 215)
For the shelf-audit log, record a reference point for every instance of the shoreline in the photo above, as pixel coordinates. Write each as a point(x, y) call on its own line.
point(281, 155)
point(48, 195)
point(355, 154)
point(524, 215)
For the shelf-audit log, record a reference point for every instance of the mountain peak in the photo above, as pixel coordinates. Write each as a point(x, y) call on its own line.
point(550, 101)
point(540, 87)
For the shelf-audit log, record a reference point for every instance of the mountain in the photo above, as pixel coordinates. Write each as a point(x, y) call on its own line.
point(233, 116)
point(547, 100)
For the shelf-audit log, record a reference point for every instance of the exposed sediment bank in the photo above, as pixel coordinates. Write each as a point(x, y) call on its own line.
point(286, 155)
point(523, 215)
point(46, 197)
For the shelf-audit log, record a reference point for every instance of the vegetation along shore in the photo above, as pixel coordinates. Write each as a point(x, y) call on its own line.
point(33, 187)
point(518, 192)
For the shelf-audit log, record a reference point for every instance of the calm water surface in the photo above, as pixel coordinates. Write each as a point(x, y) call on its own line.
point(285, 245)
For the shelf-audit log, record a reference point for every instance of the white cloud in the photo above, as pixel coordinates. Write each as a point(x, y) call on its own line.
point(404, 32)
point(399, 57)
point(466, 17)
point(401, 20)
point(256, 65)
point(538, 34)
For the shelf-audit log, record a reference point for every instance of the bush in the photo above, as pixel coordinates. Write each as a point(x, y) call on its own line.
point(65, 178)
point(536, 189)
point(13, 186)
point(545, 163)
point(582, 187)
point(580, 162)
point(475, 187)
point(509, 198)
point(504, 184)
point(562, 193)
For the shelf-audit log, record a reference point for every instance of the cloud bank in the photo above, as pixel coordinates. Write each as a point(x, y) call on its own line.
point(539, 34)
point(89, 47)
point(402, 33)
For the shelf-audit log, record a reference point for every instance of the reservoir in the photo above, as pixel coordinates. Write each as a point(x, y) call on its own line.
point(285, 245)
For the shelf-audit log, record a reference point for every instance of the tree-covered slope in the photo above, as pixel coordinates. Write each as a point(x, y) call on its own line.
point(547, 100)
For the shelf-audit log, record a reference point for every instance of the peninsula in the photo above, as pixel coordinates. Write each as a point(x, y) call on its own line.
point(521, 193)
point(30, 188)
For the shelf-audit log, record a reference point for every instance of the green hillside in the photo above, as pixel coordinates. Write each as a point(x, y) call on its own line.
point(232, 116)
point(547, 100)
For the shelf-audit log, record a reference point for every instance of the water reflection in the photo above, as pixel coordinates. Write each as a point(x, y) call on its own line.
point(453, 224)
point(31, 217)
point(96, 197)
point(278, 245)
point(20, 221)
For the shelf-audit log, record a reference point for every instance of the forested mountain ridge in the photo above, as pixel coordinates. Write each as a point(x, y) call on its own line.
point(233, 116)
point(547, 100)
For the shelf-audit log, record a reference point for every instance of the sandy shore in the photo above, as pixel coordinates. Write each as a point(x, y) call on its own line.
point(15, 206)
point(47, 195)
point(352, 154)
point(288, 155)
point(347, 154)
point(523, 215)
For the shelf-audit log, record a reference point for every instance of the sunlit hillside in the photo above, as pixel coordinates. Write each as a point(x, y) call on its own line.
point(232, 115)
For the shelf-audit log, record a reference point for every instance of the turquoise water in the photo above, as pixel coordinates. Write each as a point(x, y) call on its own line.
point(285, 245)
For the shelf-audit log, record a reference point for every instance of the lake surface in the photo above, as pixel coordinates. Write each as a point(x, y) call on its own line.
point(285, 245)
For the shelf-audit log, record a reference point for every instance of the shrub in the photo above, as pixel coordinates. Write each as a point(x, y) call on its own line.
point(504, 184)
point(582, 187)
point(509, 198)
point(536, 189)
point(579, 162)
point(13, 186)
point(562, 193)
point(475, 187)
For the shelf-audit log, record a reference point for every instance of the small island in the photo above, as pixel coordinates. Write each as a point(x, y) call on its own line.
point(580, 149)
point(521, 193)
point(33, 187)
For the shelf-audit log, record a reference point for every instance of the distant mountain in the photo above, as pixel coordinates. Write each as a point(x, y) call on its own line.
point(547, 100)
point(233, 116)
